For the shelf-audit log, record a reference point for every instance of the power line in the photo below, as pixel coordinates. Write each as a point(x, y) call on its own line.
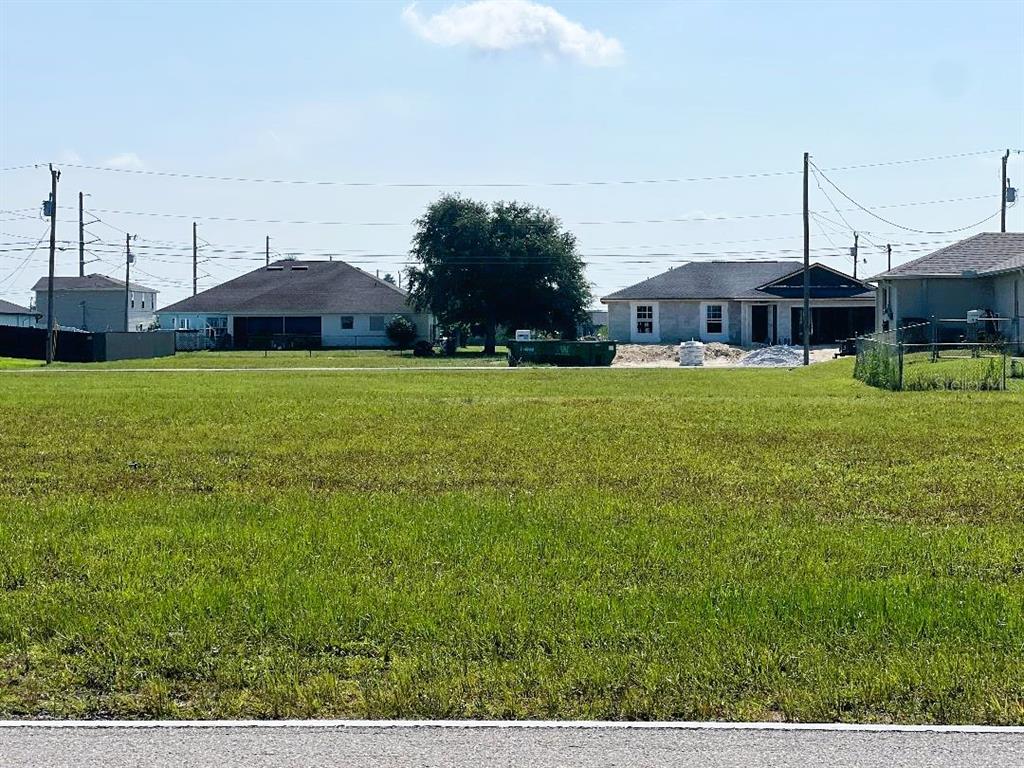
point(891, 223)
point(17, 270)
point(676, 220)
point(506, 184)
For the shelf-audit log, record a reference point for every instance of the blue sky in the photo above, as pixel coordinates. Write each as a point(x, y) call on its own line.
point(495, 93)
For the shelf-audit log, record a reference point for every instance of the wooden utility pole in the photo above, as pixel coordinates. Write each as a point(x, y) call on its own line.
point(853, 252)
point(81, 235)
point(888, 255)
point(50, 345)
point(1002, 195)
point(195, 260)
point(268, 250)
point(127, 276)
point(807, 266)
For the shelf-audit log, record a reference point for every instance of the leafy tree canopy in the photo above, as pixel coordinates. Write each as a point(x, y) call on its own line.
point(508, 264)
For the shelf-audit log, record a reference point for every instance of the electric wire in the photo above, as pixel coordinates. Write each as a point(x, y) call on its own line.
point(505, 184)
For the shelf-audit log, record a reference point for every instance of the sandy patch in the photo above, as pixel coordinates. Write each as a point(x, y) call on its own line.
point(717, 355)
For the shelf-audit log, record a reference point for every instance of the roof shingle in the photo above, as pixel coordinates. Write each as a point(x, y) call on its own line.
point(715, 280)
point(92, 282)
point(8, 308)
point(298, 287)
point(987, 253)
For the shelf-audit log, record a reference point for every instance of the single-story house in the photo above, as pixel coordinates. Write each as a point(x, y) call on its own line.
point(96, 303)
point(326, 303)
point(983, 272)
point(740, 302)
point(13, 314)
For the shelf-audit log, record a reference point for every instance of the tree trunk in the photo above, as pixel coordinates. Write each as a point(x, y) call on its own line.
point(490, 335)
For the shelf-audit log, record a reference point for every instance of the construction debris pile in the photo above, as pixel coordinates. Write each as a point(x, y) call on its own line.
point(768, 357)
point(715, 354)
point(714, 350)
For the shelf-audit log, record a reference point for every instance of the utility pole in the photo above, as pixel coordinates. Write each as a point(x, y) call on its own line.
point(195, 260)
point(1002, 195)
point(127, 276)
point(888, 254)
point(54, 176)
point(853, 252)
point(268, 250)
point(81, 235)
point(807, 266)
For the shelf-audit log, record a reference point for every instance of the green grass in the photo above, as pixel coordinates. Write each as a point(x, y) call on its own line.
point(920, 372)
point(328, 358)
point(743, 544)
point(17, 363)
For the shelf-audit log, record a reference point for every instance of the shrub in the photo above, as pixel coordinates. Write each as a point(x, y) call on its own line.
point(400, 331)
point(422, 348)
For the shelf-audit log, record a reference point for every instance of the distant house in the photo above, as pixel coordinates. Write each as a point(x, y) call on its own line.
point(984, 272)
point(327, 303)
point(740, 302)
point(96, 303)
point(13, 314)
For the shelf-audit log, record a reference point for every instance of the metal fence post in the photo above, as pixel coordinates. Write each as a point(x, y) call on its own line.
point(935, 334)
point(900, 353)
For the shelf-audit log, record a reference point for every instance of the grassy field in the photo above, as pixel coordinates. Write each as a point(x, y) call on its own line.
point(327, 358)
point(743, 544)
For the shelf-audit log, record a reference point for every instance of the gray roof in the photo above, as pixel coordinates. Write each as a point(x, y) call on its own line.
point(7, 308)
point(715, 280)
point(88, 283)
point(988, 253)
point(314, 287)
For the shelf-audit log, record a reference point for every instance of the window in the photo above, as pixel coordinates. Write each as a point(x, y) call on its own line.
point(133, 299)
point(713, 319)
point(143, 301)
point(183, 324)
point(377, 323)
point(347, 322)
point(644, 318)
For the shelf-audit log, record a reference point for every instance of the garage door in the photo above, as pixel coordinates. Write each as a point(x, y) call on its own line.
point(833, 324)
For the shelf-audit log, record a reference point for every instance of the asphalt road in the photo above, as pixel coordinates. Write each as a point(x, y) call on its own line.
point(310, 747)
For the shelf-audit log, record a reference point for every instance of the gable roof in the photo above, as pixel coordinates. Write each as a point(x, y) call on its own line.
point(289, 287)
point(987, 253)
point(728, 280)
point(92, 282)
point(7, 308)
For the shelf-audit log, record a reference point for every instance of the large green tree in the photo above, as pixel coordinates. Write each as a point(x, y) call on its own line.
point(509, 264)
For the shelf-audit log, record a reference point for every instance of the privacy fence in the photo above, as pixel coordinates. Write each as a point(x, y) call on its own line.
point(951, 354)
point(73, 346)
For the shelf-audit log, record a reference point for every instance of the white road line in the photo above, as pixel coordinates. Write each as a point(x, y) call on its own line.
point(517, 724)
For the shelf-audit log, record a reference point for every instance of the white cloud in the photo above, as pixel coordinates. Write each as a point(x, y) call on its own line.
point(124, 160)
point(503, 25)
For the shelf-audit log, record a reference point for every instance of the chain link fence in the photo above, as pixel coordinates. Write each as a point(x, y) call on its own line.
point(939, 354)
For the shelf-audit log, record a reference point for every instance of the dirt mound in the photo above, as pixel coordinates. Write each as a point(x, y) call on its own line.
point(717, 351)
point(659, 355)
point(646, 355)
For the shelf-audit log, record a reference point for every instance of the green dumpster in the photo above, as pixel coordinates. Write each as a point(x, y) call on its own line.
point(554, 352)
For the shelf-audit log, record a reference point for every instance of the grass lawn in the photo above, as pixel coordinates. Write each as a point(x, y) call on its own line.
point(327, 358)
point(17, 363)
point(656, 544)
